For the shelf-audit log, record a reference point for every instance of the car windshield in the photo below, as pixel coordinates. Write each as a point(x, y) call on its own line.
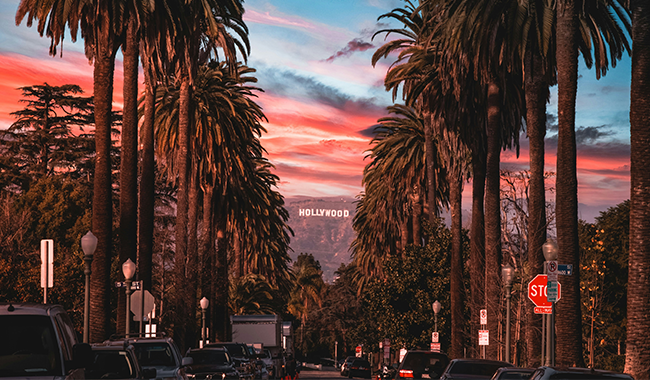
point(515, 375)
point(419, 361)
point(111, 365)
point(154, 354)
point(475, 368)
point(585, 376)
point(29, 346)
point(236, 350)
point(210, 357)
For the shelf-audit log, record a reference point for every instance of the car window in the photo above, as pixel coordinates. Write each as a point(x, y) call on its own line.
point(474, 368)
point(419, 361)
point(585, 376)
point(364, 363)
point(512, 375)
point(29, 347)
point(209, 357)
point(154, 354)
point(111, 365)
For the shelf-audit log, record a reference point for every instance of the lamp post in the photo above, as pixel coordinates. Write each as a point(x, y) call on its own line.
point(550, 251)
point(88, 245)
point(507, 274)
point(436, 309)
point(128, 268)
point(204, 305)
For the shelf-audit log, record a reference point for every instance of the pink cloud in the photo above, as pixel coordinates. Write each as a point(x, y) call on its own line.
point(268, 19)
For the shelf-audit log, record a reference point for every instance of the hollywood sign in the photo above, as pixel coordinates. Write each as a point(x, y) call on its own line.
point(323, 212)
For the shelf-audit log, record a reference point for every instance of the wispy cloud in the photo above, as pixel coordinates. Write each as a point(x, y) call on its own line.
point(356, 44)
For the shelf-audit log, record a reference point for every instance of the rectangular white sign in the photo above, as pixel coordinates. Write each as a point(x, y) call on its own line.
point(483, 316)
point(47, 263)
point(483, 337)
point(434, 337)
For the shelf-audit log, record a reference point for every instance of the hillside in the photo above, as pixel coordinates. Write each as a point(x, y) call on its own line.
point(322, 227)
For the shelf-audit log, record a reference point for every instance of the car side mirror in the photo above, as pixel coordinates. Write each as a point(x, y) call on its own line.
point(149, 373)
point(187, 361)
point(82, 355)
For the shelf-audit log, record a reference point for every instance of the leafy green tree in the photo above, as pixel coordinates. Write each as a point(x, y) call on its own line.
point(401, 303)
point(252, 294)
point(604, 252)
point(48, 136)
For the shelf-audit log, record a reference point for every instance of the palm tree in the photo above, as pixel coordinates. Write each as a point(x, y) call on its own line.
point(100, 27)
point(308, 290)
point(251, 294)
point(638, 288)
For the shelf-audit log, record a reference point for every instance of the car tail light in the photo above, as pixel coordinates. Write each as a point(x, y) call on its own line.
point(405, 373)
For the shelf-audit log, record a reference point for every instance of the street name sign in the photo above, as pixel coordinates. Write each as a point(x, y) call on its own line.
point(565, 269)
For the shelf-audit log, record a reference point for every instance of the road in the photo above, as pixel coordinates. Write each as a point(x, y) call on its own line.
point(326, 374)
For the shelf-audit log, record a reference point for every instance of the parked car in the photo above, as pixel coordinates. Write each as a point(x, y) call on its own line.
point(211, 363)
point(40, 341)
point(116, 360)
point(472, 369)
point(262, 372)
point(244, 362)
point(359, 368)
point(345, 367)
point(273, 365)
point(513, 373)
point(574, 373)
point(162, 354)
point(422, 365)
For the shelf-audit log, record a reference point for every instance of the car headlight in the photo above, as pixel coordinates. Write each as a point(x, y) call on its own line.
point(189, 376)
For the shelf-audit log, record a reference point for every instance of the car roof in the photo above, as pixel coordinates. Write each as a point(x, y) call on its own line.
point(207, 349)
point(585, 371)
point(485, 361)
point(29, 308)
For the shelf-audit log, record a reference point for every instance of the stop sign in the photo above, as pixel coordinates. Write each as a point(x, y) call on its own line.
point(537, 291)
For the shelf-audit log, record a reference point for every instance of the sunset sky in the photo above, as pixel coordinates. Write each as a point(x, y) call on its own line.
point(322, 97)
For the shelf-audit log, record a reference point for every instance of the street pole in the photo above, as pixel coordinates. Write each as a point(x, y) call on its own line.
point(88, 245)
point(508, 287)
point(128, 306)
point(204, 303)
point(128, 269)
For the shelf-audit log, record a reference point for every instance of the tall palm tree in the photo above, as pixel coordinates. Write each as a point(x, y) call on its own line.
point(308, 290)
point(99, 22)
point(638, 288)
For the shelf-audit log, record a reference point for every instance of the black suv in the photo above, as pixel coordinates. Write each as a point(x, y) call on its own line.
point(422, 365)
point(244, 363)
point(39, 341)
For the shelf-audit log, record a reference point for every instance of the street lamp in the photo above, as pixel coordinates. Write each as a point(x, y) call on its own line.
point(550, 250)
point(88, 245)
point(128, 268)
point(507, 274)
point(436, 309)
point(204, 305)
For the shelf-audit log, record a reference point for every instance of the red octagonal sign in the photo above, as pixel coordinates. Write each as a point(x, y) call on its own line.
point(537, 294)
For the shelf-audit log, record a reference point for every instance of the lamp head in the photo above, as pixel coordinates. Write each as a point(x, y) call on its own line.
point(89, 244)
point(128, 268)
point(204, 303)
point(550, 250)
point(436, 307)
point(507, 274)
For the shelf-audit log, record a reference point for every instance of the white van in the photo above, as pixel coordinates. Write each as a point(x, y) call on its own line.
point(38, 342)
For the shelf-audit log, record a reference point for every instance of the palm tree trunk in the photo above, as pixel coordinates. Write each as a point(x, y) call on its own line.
point(181, 307)
point(207, 252)
point(102, 219)
point(493, 218)
point(416, 205)
point(147, 184)
point(404, 235)
point(536, 94)
point(129, 160)
point(638, 287)
point(477, 245)
point(192, 255)
point(221, 282)
point(430, 161)
point(569, 317)
point(456, 270)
